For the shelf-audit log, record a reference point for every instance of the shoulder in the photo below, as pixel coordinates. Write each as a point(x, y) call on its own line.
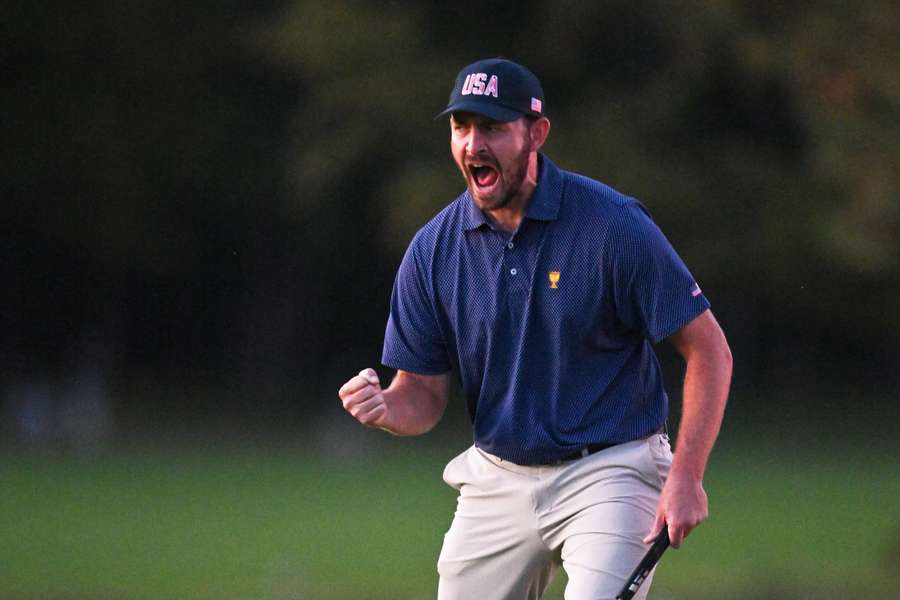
point(588, 199)
point(440, 231)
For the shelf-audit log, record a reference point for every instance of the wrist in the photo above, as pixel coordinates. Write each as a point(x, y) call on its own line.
point(686, 472)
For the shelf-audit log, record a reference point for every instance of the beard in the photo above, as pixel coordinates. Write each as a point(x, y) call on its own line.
point(511, 177)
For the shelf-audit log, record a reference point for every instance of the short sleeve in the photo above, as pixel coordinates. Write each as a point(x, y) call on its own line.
point(413, 341)
point(654, 292)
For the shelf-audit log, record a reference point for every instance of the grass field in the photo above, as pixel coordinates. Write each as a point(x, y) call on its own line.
point(277, 522)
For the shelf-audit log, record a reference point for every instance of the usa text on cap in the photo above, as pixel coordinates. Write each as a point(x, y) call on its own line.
point(498, 89)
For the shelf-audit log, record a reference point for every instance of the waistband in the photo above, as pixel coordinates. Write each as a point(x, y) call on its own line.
point(582, 452)
point(538, 469)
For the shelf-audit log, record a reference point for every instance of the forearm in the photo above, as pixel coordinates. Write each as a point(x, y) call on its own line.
point(414, 406)
point(706, 383)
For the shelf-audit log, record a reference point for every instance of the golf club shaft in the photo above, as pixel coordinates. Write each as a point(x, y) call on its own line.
point(646, 565)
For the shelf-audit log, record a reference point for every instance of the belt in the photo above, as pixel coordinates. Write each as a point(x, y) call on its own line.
point(594, 448)
point(585, 451)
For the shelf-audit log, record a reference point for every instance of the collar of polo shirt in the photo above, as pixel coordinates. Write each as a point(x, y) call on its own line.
point(544, 202)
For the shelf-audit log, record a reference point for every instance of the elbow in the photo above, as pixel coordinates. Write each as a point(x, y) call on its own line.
point(725, 361)
point(720, 358)
point(428, 426)
point(424, 422)
point(713, 355)
point(718, 351)
point(725, 355)
point(434, 415)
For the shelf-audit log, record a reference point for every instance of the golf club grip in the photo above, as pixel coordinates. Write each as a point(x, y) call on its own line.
point(646, 565)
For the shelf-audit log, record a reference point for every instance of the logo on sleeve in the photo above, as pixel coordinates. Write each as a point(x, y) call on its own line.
point(696, 291)
point(478, 84)
point(553, 276)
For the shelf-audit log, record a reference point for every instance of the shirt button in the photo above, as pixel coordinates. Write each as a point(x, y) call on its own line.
point(510, 245)
point(513, 271)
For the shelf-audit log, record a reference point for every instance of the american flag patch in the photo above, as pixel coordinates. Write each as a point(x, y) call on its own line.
point(696, 291)
point(536, 105)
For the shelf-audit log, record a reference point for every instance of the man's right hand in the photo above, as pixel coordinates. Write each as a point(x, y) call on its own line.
point(362, 397)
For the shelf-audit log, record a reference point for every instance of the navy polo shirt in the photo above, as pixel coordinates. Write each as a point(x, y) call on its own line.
point(551, 328)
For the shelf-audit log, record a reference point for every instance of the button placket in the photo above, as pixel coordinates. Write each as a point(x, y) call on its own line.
point(515, 272)
point(510, 258)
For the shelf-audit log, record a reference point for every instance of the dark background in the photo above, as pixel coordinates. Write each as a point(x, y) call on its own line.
point(203, 208)
point(204, 203)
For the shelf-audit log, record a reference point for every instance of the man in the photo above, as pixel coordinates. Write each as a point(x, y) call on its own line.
point(545, 291)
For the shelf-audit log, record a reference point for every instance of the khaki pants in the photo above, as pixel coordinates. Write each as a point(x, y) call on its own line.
point(516, 525)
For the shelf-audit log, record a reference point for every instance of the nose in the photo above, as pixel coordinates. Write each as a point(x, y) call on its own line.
point(476, 142)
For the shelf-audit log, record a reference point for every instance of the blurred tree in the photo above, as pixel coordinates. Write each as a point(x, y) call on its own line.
point(731, 121)
point(140, 147)
point(220, 193)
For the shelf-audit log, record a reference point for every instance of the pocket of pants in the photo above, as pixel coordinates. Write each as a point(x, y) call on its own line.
point(660, 456)
point(456, 471)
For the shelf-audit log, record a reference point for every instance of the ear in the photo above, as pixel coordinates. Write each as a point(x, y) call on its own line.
point(540, 129)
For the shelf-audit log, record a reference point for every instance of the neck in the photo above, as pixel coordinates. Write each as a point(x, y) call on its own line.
point(510, 216)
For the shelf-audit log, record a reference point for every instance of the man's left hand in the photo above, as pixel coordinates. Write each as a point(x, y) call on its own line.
point(682, 506)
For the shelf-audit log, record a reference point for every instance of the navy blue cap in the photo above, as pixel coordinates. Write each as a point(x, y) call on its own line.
point(498, 89)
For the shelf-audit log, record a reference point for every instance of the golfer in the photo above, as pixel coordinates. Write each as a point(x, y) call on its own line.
point(544, 292)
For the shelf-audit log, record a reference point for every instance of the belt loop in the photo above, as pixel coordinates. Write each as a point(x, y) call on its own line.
point(585, 452)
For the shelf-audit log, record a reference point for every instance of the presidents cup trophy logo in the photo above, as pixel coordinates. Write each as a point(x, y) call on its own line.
point(554, 279)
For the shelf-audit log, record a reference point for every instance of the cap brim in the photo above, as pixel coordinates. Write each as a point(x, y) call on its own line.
point(492, 111)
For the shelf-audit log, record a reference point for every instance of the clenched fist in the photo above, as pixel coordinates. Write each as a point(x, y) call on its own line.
point(362, 398)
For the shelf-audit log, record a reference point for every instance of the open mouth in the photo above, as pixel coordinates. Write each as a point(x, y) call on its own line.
point(484, 176)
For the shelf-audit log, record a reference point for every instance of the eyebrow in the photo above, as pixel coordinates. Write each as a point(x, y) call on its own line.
point(476, 120)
